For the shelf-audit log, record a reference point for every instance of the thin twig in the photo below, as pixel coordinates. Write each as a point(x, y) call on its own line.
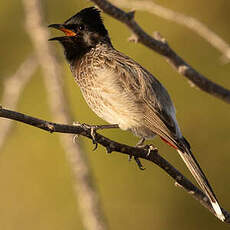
point(112, 146)
point(88, 199)
point(162, 48)
point(13, 86)
point(192, 23)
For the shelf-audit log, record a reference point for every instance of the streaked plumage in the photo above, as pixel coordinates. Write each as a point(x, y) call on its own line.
point(121, 91)
point(103, 78)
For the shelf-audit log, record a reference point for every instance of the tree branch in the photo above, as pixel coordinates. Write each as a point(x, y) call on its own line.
point(112, 146)
point(192, 23)
point(161, 47)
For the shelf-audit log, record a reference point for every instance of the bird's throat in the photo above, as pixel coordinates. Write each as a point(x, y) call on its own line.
point(74, 51)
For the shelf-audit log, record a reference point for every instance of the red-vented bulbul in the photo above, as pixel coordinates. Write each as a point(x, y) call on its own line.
point(121, 91)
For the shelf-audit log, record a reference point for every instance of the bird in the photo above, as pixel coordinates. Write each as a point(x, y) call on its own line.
point(122, 92)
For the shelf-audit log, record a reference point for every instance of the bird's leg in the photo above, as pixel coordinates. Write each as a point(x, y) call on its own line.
point(140, 145)
point(93, 129)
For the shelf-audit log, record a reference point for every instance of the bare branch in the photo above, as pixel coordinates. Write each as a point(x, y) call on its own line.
point(112, 146)
point(88, 199)
point(165, 50)
point(192, 23)
point(13, 86)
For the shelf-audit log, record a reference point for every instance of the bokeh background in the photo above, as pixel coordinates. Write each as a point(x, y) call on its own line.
point(36, 189)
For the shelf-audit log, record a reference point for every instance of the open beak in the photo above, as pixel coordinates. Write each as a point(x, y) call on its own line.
point(61, 27)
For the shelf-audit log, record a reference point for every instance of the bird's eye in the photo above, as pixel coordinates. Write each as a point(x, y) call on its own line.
point(81, 27)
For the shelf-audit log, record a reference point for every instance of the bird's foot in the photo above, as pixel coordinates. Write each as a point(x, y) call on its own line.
point(92, 133)
point(76, 136)
point(93, 129)
point(139, 145)
point(139, 164)
point(150, 148)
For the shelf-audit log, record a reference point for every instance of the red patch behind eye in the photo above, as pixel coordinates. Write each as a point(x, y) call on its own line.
point(68, 32)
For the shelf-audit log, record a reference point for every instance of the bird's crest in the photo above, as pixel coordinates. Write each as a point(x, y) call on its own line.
point(89, 15)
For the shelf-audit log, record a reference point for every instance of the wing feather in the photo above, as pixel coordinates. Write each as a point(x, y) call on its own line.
point(157, 107)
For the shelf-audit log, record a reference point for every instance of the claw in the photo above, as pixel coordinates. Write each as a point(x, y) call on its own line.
point(75, 137)
point(139, 163)
point(140, 145)
point(93, 129)
point(130, 157)
point(96, 145)
point(92, 133)
point(108, 149)
point(150, 148)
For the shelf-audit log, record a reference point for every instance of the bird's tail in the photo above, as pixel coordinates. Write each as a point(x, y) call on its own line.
point(201, 179)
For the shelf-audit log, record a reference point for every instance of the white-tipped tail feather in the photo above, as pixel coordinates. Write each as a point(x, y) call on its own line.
point(198, 174)
point(218, 211)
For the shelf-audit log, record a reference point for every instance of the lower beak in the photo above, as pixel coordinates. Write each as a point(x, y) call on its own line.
point(57, 39)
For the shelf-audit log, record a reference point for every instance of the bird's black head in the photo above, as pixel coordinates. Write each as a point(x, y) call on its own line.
point(83, 31)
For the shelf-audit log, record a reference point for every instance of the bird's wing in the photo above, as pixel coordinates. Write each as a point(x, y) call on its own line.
point(157, 107)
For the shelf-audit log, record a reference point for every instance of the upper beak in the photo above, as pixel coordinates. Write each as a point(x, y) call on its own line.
point(61, 27)
point(56, 26)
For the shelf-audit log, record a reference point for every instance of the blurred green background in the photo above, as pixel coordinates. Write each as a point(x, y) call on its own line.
point(36, 189)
